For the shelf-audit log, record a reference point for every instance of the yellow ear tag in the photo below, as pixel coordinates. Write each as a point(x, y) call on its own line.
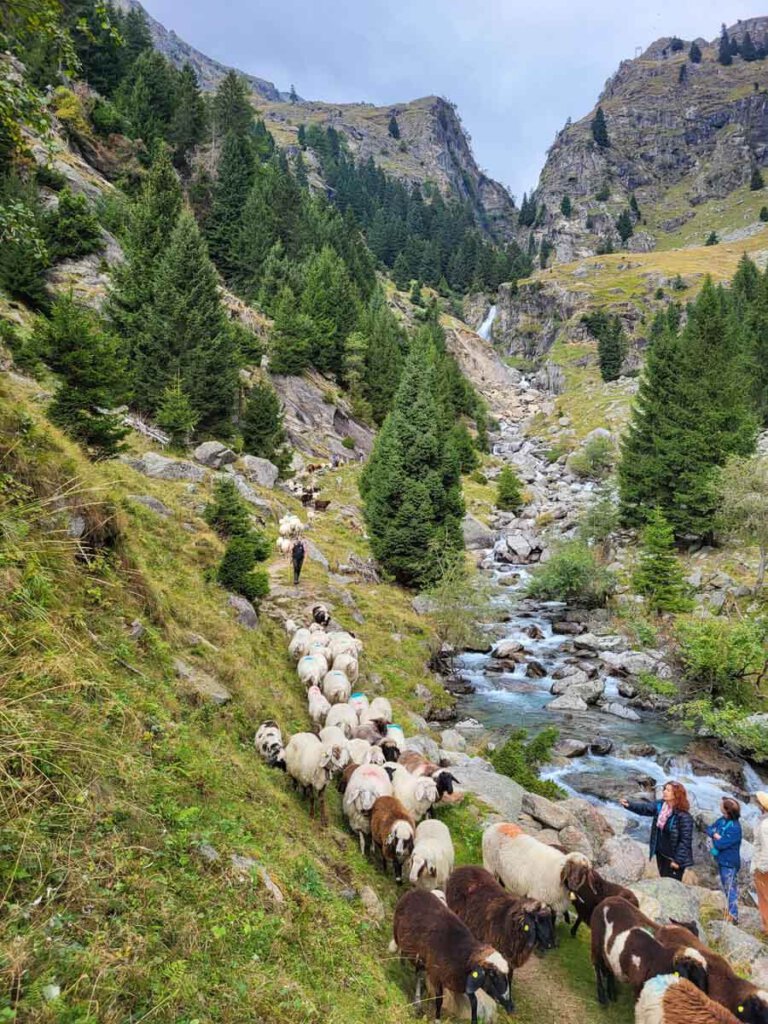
point(741, 1009)
point(526, 927)
point(474, 974)
point(572, 897)
point(677, 974)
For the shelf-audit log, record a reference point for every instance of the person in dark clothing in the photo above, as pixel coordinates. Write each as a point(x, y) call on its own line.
point(672, 829)
point(297, 558)
point(726, 849)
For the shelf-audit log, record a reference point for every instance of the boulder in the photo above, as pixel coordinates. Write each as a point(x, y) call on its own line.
point(502, 794)
point(425, 746)
point(737, 945)
point(214, 454)
point(665, 898)
point(592, 822)
point(535, 670)
point(470, 728)
point(568, 702)
point(570, 748)
point(201, 684)
point(520, 545)
point(549, 813)
point(316, 555)
point(245, 613)
point(259, 471)
point(452, 740)
point(477, 536)
point(620, 711)
point(423, 604)
point(153, 504)
point(626, 688)
point(374, 908)
point(622, 860)
point(248, 494)
point(568, 674)
point(566, 628)
point(576, 841)
point(590, 691)
point(601, 746)
point(506, 650)
point(159, 467)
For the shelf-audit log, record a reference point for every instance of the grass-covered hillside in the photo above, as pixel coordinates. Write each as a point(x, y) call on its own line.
point(142, 837)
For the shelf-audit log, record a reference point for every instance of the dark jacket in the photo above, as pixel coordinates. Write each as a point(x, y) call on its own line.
point(727, 849)
point(297, 552)
point(677, 844)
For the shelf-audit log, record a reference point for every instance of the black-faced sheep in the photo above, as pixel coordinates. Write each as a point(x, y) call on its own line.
point(363, 788)
point(433, 856)
point(269, 743)
point(529, 868)
point(392, 834)
point(670, 999)
point(441, 946)
point(321, 615)
point(745, 1000)
point(591, 892)
point(624, 948)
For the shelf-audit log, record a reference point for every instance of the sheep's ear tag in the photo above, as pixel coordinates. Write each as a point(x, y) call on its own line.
point(740, 1009)
point(526, 927)
point(475, 974)
point(677, 974)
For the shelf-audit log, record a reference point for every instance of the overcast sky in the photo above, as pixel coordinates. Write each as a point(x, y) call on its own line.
point(516, 70)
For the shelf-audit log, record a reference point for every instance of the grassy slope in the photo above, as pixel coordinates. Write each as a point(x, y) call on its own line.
point(111, 777)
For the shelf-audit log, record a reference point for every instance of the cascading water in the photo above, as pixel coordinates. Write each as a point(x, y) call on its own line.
point(484, 330)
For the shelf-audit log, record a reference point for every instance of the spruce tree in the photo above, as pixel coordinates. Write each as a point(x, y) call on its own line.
point(401, 274)
point(393, 127)
point(692, 412)
point(235, 179)
point(237, 572)
point(227, 513)
point(756, 179)
point(72, 229)
point(330, 300)
point(600, 129)
point(262, 424)
point(383, 356)
point(694, 54)
point(147, 96)
point(90, 362)
point(293, 96)
point(757, 348)
point(624, 225)
point(291, 336)
point(186, 333)
point(410, 485)
point(712, 238)
point(565, 206)
point(509, 490)
point(23, 251)
point(747, 48)
point(634, 206)
point(176, 415)
point(611, 349)
point(659, 575)
point(232, 110)
point(189, 117)
point(724, 55)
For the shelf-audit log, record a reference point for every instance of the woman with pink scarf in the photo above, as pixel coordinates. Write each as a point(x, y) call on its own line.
point(671, 831)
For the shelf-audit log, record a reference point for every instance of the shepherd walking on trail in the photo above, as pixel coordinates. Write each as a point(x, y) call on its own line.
point(297, 558)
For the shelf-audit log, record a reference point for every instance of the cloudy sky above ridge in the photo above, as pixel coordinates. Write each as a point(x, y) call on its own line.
point(515, 70)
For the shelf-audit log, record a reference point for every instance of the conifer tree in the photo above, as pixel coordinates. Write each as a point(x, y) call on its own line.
point(186, 333)
point(23, 250)
point(90, 362)
point(293, 96)
point(694, 54)
point(600, 129)
point(692, 412)
point(394, 127)
point(611, 349)
point(724, 54)
point(410, 485)
point(136, 35)
point(634, 206)
point(147, 96)
point(235, 179)
point(401, 274)
point(176, 415)
point(232, 110)
point(383, 356)
point(747, 48)
point(291, 336)
point(189, 117)
point(756, 179)
point(624, 225)
point(509, 490)
point(712, 238)
point(659, 575)
point(237, 572)
point(227, 513)
point(330, 300)
point(565, 206)
point(72, 229)
point(262, 425)
point(756, 344)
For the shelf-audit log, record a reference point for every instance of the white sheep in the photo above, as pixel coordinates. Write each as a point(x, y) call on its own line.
point(283, 545)
point(318, 646)
point(299, 645)
point(290, 627)
point(315, 628)
point(269, 743)
point(432, 857)
point(343, 643)
point(319, 706)
point(290, 526)
point(363, 752)
point(366, 784)
point(417, 793)
point(311, 763)
point(336, 687)
point(358, 701)
point(345, 717)
point(348, 664)
point(311, 669)
point(379, 710)
point(529, 868)
point(334, 735)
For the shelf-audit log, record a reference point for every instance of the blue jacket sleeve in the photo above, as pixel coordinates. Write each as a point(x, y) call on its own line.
point(728, 839)
point(645, 807)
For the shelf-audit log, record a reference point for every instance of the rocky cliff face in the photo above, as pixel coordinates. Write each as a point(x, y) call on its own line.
point(680, 134)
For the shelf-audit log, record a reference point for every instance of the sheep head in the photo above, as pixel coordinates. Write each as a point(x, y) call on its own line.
point(444, 781)
point(421, 866)
point(575, 872)
point(364, 801)
point(689, 963)
point(754, 1009)
point(400, 841)
point(543, 919)
point(492, 976)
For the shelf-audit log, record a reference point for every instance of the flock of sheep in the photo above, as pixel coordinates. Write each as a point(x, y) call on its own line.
point(466, 930)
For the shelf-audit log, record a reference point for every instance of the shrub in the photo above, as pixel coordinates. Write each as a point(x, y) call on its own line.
point(573, 574)
point(603, 194)
point(236, 571)
point(595, 459)
point(659, 575)
point(648, 683)
point(659, 294)
point(47, 176)
point(520, 759)
point(69, 110)
point(107, 119)
point(509, 490)
point(712, 239)
point(723, 660)
point(728, 723)
point(679, 284)
point(478, 477)
point(348, 442)
point(764, 213)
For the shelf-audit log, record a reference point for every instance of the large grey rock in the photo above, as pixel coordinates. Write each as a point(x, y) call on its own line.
point(506, 650)
point(452, 740)
point(477, 535)
point(737, 945)
point(576, 841)
point(591, 821)
point(502, 794)
point(423, 604)
point(568, 702)
point(622, 860)
point(153, 504)
point(547, 811)
point(201, 683)
point(259, 471)
point(315, 554)
point(214, 454)
point(666, 898)
point(248, 494)
point(619, 710)
point(563, 682)
point(374, 908)
point(160, 467)
point(245, 613)
point(570, 748)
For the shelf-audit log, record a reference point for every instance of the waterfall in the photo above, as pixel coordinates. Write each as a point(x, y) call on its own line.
point(484, 330)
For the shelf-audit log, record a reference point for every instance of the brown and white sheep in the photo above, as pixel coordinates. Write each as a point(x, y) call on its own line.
point(510, 924)
point(590, 892)
point(670, 999)
point(392, 834)
point(625, 948)
point(440, 945)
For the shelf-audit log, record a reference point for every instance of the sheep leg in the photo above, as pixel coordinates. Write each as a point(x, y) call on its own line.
point(323, 815)
point(575, 927)
point(473, 1005)
point(419, 985)
point(439, 1003)
point(361, 837)
point(602, 996)
point(613, 995)
point(566, 917)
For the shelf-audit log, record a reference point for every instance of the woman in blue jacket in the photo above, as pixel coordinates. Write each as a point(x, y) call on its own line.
point(726, 849)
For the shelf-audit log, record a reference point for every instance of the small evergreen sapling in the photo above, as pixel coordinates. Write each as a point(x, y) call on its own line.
point(176, 415)
point(694, 54)
point(712, 238)
point(509, 491)
point(393, 127)
point(600, 129)
point(659, 575)
point(756, 181)
point(72, 228)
